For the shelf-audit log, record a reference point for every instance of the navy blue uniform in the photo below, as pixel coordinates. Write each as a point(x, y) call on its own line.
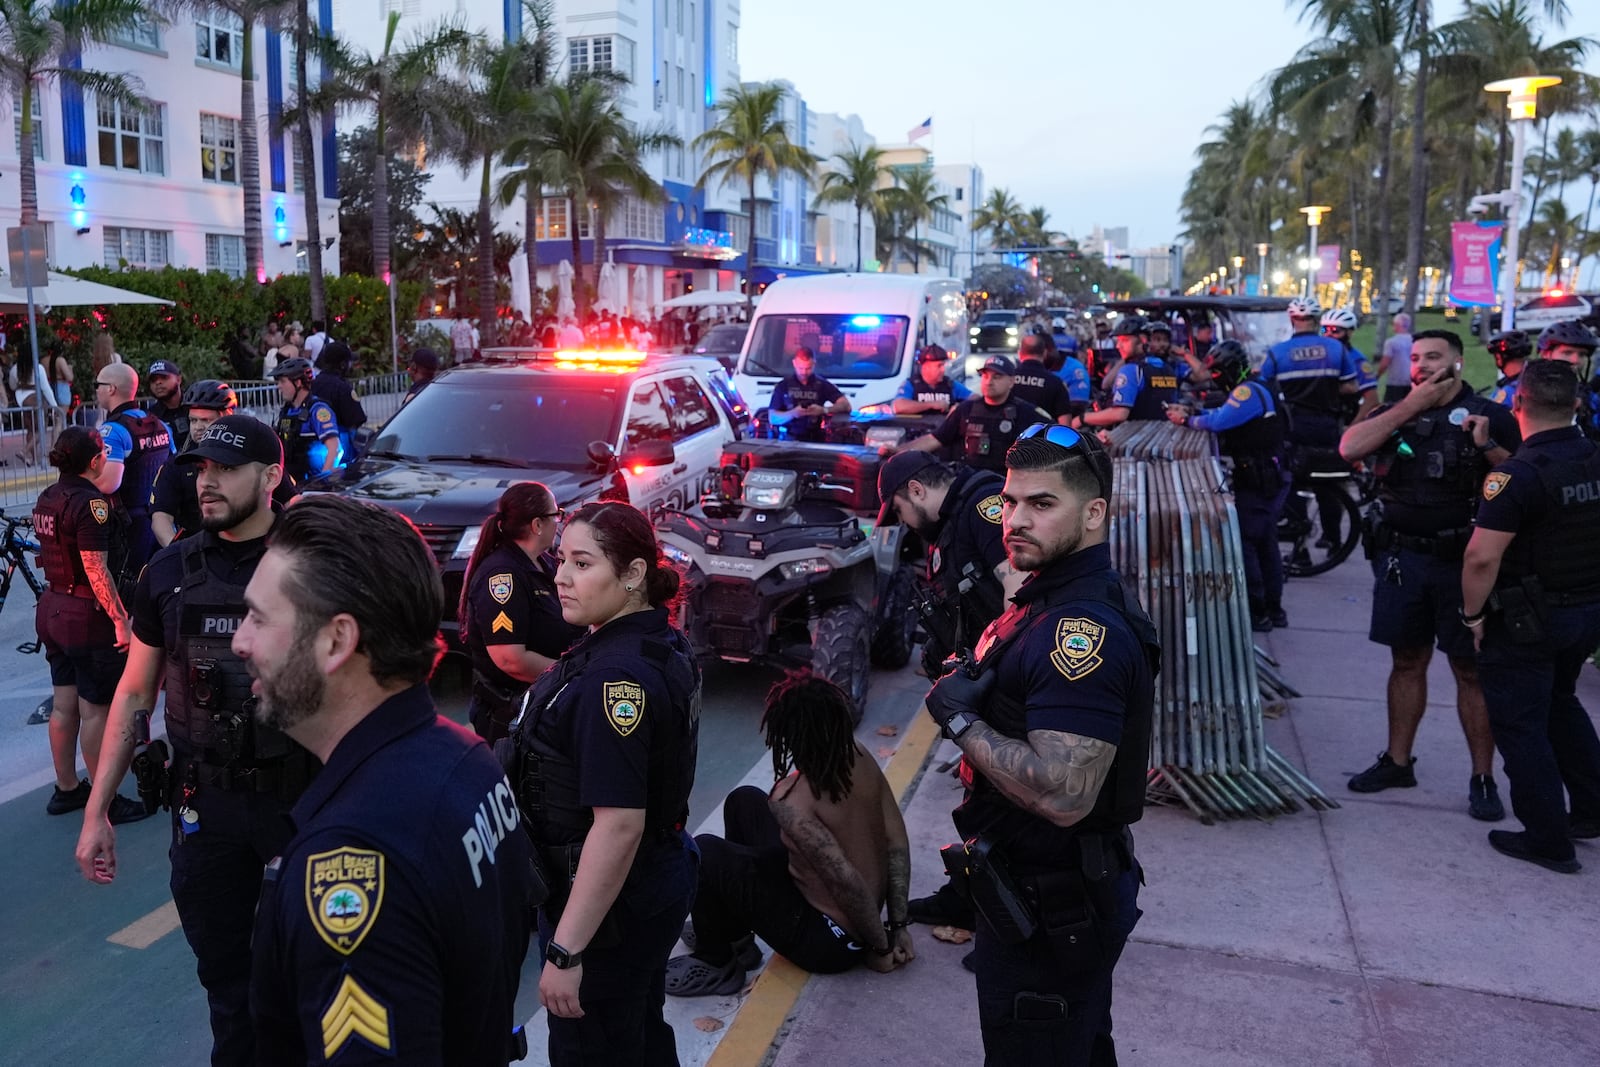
point(71, 517)
point(1309, 370)
point(968, 545)
point(1075, 655)
point(142, 443)
point(1548, 496)
point(307, 434)
point(791, 393)
point(393, 928)
point(981, 432)
point(1037, 385)
point(175, 419)
point(511, 600)
point(348, 413)
point(1504, 392)
point(1145, 386)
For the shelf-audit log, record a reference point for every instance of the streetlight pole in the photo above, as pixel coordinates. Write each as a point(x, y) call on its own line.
point(1521, 100)
point(1313, 214)
point(1238, 275)
point(1261, 250)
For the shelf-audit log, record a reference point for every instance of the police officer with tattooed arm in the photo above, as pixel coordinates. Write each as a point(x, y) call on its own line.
point(1054, 716)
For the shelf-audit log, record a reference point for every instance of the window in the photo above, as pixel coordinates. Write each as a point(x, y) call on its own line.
point(809, 235)
point(551, 223)
point(640, 220)
point(131, 137)
point(691, 21)
point(647, 416)
point(38, 121)
point(578, 54)
point(219, 149)
point(218, 37)
point(732, 48)
point(680, 86)
point(764, 220)
point(302, 260)
point(299, 163)
point(137, 248)
point(959, 192)
point(142, 33)
point(680, 16)
point(225, 253)
point(689, 407)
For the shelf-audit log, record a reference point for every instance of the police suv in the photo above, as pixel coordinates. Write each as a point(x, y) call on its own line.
point(649, 430)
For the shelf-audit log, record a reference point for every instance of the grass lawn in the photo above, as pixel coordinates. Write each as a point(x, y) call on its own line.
point(1479, 371)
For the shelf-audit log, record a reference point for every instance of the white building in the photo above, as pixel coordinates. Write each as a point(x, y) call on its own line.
point(834, 225)
point(162, 187)
point(965, 188)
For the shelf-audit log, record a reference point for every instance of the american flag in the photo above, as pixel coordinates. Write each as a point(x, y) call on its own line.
point(923, 130)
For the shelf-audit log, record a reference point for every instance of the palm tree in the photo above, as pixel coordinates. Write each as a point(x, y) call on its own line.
point(1035, 231)
point(856, 180)
point(539, 61)
point(1589, 148)
point(749, 140)
point(308, 157)
point(1001, 215)
point(916, 198)
point(34, 36)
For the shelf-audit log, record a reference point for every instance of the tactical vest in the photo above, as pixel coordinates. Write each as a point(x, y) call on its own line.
point(1444, 471)
point(210, 712)
point(1159, 386)
point(152, 447)
point(298, 437)
point(942, 393)
point(1589, 411)
point(61, 560)
point(544, 772)
point(1032, 382)
point(178, 419)
point(987, 432)
point(985, 599)
point(1317, 395)
point(1561, 551)
point(1121, 799)
point(1256, 447)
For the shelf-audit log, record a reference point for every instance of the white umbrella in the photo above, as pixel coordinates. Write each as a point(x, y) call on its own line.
point(521, 296)
point(707, 298)
point(66, 291)
point(641, 294)
point(566, 308)
point(606, 288)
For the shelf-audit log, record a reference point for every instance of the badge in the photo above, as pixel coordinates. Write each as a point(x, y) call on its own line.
point(1077, 651)
point(1458, 416)
point(1366, 368)
point(501, 622)
point(344, 889)
point(100, 511)
point(500, 587)
point(1242, 393)
point(624, 705)
point(991, 508)
point(1005, 426)
point(354, 1012)
point(1494, 483)
point(936, 561)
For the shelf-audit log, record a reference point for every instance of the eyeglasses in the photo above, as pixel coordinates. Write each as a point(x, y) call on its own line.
point(558, 514)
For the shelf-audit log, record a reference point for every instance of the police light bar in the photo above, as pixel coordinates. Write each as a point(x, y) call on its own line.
point(584, 355)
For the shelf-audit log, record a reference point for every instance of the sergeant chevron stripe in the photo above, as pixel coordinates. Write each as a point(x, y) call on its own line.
point(354, 1013)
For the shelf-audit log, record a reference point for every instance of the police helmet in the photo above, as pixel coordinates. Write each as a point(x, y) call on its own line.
point(296, 367)
point(1158, 326)
point(211, 395)
point(1508, 346)
point(1128, 326)
point(1304, 307)
point(1228, 363)
point(1340, 318)
point(1571, 333)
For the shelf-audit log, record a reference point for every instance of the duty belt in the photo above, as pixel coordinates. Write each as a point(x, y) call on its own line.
point(1097, 855)
point(1445, 543)
point(271, 776)
point(82, 592)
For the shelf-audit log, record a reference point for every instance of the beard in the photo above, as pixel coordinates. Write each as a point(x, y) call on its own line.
point(231, 514)
point(293, 692)
point(1025, 553)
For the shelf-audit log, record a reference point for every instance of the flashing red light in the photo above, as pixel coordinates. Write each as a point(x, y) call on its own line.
point(638, 468)
point(1555, 292)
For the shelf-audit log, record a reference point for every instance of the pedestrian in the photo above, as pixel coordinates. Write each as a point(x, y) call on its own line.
point(1531, 597)
point(1430, 453)
point(80, 619)
point(1510, 350)
point(331, 387)
point(23, 389)
point(312, 349)
point(138, 445)
point(818, 866)
point(175, 499)
point(306, 426)
point(929, 390)
point(509, 613)
point(242, 357)
point(1394, 361)
point(981, 428)
point(165, 382)
point(394, 924)
point(271, 342)
point(423, 367)
point(603, 763)
point(104, 352)
point(1251, 433)
point(1063, 686)
point(1145, 383)
point(231, 781)
point(802, 402)
point(1036, 384)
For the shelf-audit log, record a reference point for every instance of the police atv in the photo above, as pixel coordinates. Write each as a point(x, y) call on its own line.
point(779, 571)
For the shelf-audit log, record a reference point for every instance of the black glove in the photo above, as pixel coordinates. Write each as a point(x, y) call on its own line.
point(959, 692)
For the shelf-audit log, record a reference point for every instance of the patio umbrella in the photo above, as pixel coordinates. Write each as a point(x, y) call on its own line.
point(66, 291)
point(641, 294)
point(521, 296)
point(606, 288)
point(707, 298)
point(566, 308)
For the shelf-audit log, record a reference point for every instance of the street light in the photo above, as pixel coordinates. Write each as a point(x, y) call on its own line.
point(1238, 273)
point(1313, 214)
point(1521, 100)
point(1279, 278)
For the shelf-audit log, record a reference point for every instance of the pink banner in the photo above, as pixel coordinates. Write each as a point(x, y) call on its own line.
point(1328, 256)
point(1474, 260)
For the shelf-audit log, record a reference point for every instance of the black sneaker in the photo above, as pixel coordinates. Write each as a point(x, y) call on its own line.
point(1279, 617)
point(1483, 799)
point(74, 799)
point(944, 908)
point(1583, 829)
point(123, 810)
point(1385, 774)
point(1515, 845)
point(745, 950)
point(1261, 624)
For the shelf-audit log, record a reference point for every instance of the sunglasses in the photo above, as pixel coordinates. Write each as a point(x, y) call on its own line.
point(103, 385)
point(1067, 437)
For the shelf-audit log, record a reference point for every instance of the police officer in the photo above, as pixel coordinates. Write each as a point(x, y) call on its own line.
point(1101, 352)
point(174, 501)
point(803, 401)
point(231, 781)
point(80, 619)
point(1146, 382)
point(510, 616)
point(1074, 374)
point(1510, 349)
point(138, 445)
point(929, 391)
point(1312, 374)
point(981, 428)
point(1251, 432)
point(1127, 344)
point(1573, 343)
point(306, 426)
point(603, 759)
point(394, 924)
point(1531, 596)
point(1064, 684)
point(422, 369)
point(1036, 384)
point(1202, 335)
point(1338, 323)
point(1431, 451)
point(167, 402)
point(333, 362)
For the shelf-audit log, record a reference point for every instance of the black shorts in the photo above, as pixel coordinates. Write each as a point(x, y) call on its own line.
point(80, 645)
point(1423, 608)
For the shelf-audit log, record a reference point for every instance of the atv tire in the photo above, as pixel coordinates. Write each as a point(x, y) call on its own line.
point(840, 653)
point(897, 621)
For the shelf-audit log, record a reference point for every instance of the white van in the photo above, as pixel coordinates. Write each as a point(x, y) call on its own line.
point(849, 321)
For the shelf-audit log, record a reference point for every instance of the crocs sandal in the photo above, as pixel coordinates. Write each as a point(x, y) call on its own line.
point(745, 950)
point(691, 976)
point(124, 810)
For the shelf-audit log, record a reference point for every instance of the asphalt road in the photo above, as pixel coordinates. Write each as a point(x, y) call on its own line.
point(101, 975)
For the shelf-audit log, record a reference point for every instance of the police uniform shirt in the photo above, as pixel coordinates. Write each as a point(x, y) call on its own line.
point(1035, 384)
point(790, 393)
point(156, 599)
point(1504, 392)
point(1514, 499)
point(1407, 446)
point(946, 391)
point(1076, 378)
point(1151, 376)
point(1366, 376)
point(971, 528)
point(394, 926)
point(119, 442)
point(1245, 404)
point(513, 602)
point(1309, 368)
point(1003, 434)
point(176, 420)
point(309, 427)
point(176, 493)
point(71, 517)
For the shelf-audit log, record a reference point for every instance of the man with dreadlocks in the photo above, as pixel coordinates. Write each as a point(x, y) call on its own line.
point(811, 867)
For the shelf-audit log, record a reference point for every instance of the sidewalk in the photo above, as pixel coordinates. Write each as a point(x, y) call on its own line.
point(1386, 932)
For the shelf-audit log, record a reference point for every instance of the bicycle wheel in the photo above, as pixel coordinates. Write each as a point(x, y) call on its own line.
point(1326, 528)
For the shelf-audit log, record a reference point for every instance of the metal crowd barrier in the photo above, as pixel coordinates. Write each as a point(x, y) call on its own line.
point(1175, 537)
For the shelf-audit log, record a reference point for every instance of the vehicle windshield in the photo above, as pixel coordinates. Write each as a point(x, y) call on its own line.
point(998, 318)
point(721, 339)
point(528, 423)
point(1256, 330)
point(847, 346)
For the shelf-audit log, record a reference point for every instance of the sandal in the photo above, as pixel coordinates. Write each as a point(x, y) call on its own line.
point(745, 950)
point(691, 976)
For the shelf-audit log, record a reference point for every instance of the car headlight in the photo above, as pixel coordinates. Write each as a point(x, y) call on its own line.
point(802, 568)
point(973, 330)
point(1011, 331)
point(763, 497)
point(468, 542)
point(675, 554)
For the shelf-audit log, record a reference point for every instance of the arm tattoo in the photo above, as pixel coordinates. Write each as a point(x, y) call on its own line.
point(105, 590)
point(899, 883)
point(1053, 774)
point(822, 852)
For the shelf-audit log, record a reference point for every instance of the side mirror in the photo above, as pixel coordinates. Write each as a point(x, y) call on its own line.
point(602, 455)
point(652, 453)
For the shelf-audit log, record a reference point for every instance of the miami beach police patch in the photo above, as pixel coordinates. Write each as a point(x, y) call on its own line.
point(1241, 393)
point(500, 587)
point(1077, 651)
point(1493, 484)
point(991, 509)
point(624, 706)
point(344, 890)
point(100, 511)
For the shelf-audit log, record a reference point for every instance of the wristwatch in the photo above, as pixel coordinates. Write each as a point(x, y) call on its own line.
point(958, 724)
point(563, 959)
point(1488, 446)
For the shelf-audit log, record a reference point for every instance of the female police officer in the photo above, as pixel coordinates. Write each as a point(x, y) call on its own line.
point(511, 620)
point(604, 755)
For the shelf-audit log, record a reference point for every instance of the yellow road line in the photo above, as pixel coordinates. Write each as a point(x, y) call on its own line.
point(773, 997)
point(142, 933)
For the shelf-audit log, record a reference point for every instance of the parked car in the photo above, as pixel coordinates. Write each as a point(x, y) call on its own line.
point(723, 342)
point(997, 331)
point(1554, 307)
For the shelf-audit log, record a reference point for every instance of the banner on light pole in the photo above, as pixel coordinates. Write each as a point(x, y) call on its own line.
point(1328, 257)
point(1475, 263)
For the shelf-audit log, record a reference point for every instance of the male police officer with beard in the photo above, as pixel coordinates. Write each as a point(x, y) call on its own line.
point(1055, 719)
point(1037, 384)
point(231, 781)
point(981, 428)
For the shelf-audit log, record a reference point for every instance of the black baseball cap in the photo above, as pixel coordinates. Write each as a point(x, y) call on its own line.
point(893, 476)
point(162, 366)
point(235, 440)
point(932, 354)
point(1000, 365)
point(426, 358)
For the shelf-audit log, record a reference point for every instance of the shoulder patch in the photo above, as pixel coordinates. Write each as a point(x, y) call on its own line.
point(1077, 651)
point(1493, 484)
point(344, 890)
point(1122, 379)
point(1366, 368)
point(991, 508)
point(353, 1012)
point(624, 705)
point(100, 510)
point(500, 587)
point(502, 621)
point(1241, 393)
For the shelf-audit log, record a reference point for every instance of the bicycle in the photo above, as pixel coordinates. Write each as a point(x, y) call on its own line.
point(16, 541)
point(1324, 528)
